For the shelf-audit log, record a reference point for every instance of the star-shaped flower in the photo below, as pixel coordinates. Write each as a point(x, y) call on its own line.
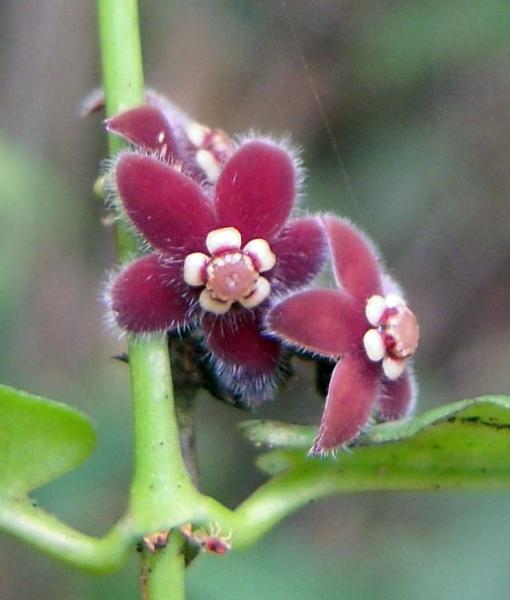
point(367, 324)
point(218, 254)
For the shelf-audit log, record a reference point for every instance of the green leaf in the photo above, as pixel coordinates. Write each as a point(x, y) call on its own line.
point(39, 440)
point(461, 445)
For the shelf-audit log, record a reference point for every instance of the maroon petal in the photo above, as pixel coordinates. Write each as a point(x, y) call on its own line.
point(300, 250)
point(397, 398)
point(327, 322)
point(167, 207)
point(256, 190)
point(147, 127)
point(245, 361)
point(353, 390)
point(355, 260)
point(150, 296)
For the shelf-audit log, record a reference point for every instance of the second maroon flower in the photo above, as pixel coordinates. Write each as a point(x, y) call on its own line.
point(366, 324)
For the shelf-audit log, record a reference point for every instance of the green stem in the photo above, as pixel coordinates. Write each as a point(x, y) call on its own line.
point(121, 57)
point(162, 573)
point(161, 488)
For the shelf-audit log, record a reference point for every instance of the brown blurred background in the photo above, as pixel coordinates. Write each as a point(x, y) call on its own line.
point(417, 97)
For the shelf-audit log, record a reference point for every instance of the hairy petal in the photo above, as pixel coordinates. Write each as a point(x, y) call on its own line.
point(352, 393)
point(147, 127)
point(398, 397)
point(245, 361)
point(300, 250)
point(256, 190)
point(355, 260)
point(150, 296)
point(168, 208)
point(327, 322)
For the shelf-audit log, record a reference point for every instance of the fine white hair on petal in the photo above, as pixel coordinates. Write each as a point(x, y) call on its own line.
point(110, 320)
point(411, 407)
point(284, 143)
point(252, 390)
point(113, 200)
point(391, 287)
point(105, 296)
point(394, 300)
point(364, 236)
point(413, 399)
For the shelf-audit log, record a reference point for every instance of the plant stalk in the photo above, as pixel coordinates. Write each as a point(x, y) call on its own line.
point(162, 574)
point(161, 487)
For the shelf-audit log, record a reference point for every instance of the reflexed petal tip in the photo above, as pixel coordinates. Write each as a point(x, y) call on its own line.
point(147, 127)
point(256, 189)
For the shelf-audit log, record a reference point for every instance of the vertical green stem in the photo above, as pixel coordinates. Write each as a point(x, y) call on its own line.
point(161, 486)
point(121, 57)
point(162, 573)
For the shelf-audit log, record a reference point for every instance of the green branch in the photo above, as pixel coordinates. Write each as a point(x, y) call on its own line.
point(43, 531)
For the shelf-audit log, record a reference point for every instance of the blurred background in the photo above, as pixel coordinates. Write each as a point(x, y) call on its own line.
point(416, 95)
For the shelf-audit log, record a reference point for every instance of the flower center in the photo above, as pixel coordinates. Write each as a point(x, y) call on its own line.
point(230, 274)
point(400, 332)
point(394, 336)
point(231, 277)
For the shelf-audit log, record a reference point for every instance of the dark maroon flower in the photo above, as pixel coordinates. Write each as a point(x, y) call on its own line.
point(161, 129)
point(218, 254)
point(367, 324)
